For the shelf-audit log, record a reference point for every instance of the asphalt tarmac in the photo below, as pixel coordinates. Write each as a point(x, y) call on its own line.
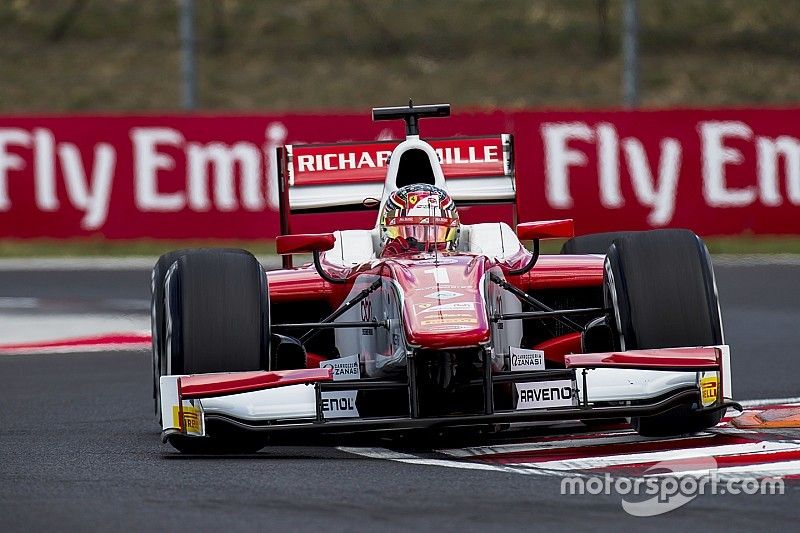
point(79, 449)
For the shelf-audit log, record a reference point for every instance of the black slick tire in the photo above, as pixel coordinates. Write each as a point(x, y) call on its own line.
point(661, 286)
point(216, 319)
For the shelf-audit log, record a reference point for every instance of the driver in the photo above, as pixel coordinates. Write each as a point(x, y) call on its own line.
point(419, 218)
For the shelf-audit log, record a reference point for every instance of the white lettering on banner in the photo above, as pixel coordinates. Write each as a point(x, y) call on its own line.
point(9, 161)
point(768, 151)
point(223, 159)
point(660, 197)
point(559, 157)
point(659, 190)
point(715, 156)
point(92, 199)
point(659, 194)
point(214, 162)
point(608, 159)
point(45, 169)
point(147, 162)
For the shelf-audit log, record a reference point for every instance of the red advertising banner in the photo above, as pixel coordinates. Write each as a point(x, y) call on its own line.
point(125, 177)
point(716, 172)
point(713, 171)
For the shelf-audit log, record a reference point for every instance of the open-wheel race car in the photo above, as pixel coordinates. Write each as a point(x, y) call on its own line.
point(426, 322)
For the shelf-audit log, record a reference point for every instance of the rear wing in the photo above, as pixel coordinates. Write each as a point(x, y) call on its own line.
point(319, 178)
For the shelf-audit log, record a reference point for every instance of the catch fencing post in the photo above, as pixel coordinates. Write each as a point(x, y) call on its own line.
point(630, 54)
point(188, 61)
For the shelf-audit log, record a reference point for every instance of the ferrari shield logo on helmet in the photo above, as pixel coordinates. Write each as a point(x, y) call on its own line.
point(413, 199)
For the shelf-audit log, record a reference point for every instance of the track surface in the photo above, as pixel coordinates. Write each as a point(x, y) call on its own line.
point(79, 448)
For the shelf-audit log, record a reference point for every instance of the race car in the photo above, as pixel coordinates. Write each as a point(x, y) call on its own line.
point(438, 317)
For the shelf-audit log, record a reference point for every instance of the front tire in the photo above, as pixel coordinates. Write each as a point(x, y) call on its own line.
point(157, 328)
point(662, 289)
point(216, 320)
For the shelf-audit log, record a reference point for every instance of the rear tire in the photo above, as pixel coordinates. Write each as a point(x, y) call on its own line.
point(662, 289)
point(593, 243)
point(216, 319)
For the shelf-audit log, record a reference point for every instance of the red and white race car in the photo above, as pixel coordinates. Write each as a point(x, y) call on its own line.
point(460, 326)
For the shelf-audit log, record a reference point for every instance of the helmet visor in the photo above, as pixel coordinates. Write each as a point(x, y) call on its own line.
point(428, 234)
point(424, 232)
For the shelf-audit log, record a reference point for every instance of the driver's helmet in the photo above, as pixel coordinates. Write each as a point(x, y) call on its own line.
point(421, 218)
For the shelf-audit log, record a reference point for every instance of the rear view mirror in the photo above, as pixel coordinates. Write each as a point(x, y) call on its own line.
point(304, 243)
point(546, 229)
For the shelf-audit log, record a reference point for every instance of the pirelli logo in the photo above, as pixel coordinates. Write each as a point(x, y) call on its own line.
point(188, 419)
point(709, 390)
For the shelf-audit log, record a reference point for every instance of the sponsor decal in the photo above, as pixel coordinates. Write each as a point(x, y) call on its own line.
point(457, 152)
point(350, 160)
point(191, 422)
point(544, 394)
point(454, 306)
point(522, 359)
point(709, 390)
point(341, 404)
point(344, 368)
point(450, 320)
point(449, 327)
point(444, 295)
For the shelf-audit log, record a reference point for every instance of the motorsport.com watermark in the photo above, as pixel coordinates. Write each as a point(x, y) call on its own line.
point(659, 492)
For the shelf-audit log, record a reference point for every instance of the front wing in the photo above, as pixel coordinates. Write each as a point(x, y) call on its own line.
point(598, 385)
